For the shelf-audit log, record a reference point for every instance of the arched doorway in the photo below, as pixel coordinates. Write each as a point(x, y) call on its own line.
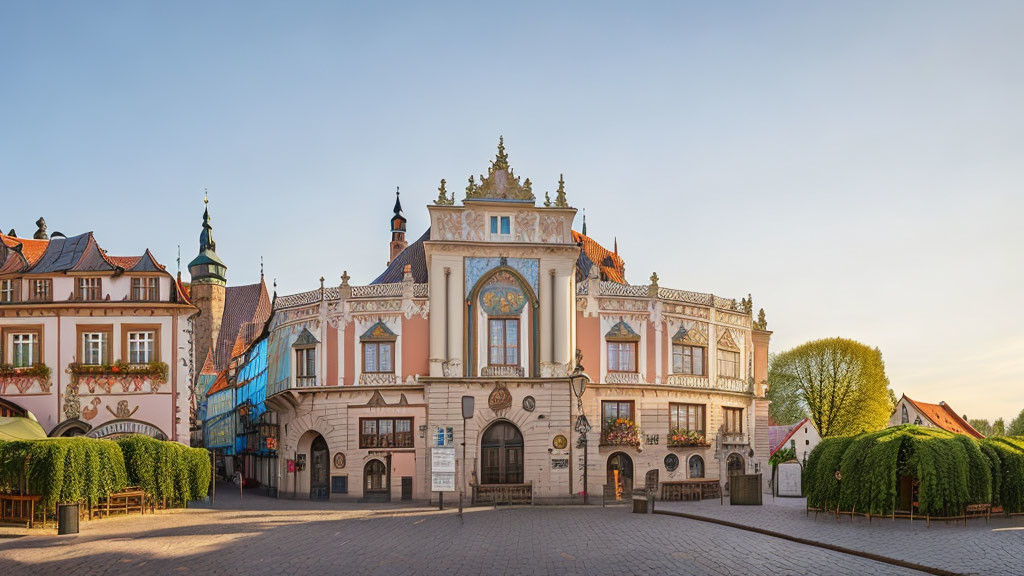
point(319, 469)
point(620, 474)
point(375, 481)
point(501, 451)
point(734, 465)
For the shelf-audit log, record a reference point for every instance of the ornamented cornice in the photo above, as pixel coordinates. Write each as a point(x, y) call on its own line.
point(377, 379)
point(501, 183)
point(503, 372)
point(622, 378)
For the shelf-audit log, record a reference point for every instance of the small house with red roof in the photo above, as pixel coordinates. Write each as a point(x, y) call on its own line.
point(939, 415)
point(802, 437)
point(91, 343)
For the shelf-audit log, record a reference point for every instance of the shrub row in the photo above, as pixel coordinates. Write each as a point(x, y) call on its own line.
point(952, 471)
point(86, 469)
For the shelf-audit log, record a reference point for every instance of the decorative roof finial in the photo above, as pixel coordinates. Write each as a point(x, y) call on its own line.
point(501, 160)
point(442, 195)
point(206, 197)
point(584, 221)
point(398, 201)
point(560, 200)
point(616, 245)
point(762, 322)
point(344, 277)
point(547, 200)
point(261, 268)
point(41, 231)
point(275, 287)
point(179, 260)
point(653, 288)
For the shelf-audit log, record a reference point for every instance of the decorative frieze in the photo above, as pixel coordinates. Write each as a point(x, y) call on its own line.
point(503, 372)
point(623, 378)
point(377, 379)
point(24, 380)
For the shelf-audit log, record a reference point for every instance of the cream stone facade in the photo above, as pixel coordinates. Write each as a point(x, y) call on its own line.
point(497, 304)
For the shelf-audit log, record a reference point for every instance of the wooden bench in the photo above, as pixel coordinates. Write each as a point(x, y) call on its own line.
point(690, 490)
point(978, 511)
point(19, 508)
point(126, 501)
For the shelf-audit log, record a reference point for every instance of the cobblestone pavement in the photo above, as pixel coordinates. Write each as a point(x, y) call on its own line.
point(995, 547)
point(266, 536)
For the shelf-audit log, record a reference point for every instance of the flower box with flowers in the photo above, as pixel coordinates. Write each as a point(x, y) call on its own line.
point(682, 437)
point(119, 377)
point(23, 379)
point(620, 432)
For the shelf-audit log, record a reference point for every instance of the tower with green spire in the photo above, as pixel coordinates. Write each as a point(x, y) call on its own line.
point(208, 290)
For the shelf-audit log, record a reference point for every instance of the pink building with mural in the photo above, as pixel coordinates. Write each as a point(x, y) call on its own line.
point(92, 344)
point(489, 306)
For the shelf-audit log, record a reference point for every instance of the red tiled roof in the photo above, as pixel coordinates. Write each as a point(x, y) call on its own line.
point(31, 249)
point(208, 365)
point(219, 384)
point(242, 305)
point(613, 268)
point(126, 262)
point(945, 417)
point(779, 435)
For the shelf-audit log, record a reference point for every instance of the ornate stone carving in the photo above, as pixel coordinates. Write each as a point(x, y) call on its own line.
point(553, 229)
point(377, 379)
point(526, 226)
point(503, 372)
point(622, 378)
point(451, 368)
point(442, 196)
point(448, 226)
point(500, 399)
point(501, 183)
point(72, 405)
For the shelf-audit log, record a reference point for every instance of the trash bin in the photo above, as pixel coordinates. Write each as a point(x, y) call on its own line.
point(639, 504)
point(67, 519)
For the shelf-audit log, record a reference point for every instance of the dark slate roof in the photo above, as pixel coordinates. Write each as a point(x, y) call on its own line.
point(412, 255)
point(62, 253)
point(244, 307)
point(147, 263)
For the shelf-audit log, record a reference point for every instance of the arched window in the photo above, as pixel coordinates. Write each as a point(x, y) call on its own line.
point(696, 466)
point(374, 475)
point(501, 455)
point(906, 415)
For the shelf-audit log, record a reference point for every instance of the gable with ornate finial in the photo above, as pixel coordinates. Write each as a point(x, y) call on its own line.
point(622, 332)
point(379, 332)
point(560, 199)
point(501, 183)
point(726, 342)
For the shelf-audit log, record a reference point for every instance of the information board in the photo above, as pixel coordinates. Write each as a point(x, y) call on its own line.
point(789, 474)
point(442, 469)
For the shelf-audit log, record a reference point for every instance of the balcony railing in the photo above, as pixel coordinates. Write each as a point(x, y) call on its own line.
point(679, 438)
point(622, 378)
point(501, 371)
point(393, 440)
point(733, 438)
point(705, 383)
point(620, 432)
point(377, 379)
point(305, 382)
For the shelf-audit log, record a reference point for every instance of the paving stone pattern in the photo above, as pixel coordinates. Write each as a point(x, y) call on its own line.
point(995, 547)
point(267, 536)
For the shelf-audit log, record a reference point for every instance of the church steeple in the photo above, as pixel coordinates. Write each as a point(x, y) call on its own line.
point(207, 267)
point(398, 221)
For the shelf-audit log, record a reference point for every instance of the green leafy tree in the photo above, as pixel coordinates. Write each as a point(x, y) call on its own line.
point(981, 425)
point(840, 383)
point(999, 428)
point(1016, 425)
point(787, 404)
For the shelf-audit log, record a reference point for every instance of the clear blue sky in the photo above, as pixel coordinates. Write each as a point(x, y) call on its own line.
point(856, 166)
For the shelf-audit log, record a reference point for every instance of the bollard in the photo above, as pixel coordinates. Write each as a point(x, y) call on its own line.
point(650, 502)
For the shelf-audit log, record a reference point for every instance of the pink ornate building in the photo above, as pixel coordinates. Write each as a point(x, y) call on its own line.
point(490, 305)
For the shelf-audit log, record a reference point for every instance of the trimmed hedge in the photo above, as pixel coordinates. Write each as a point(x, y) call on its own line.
point(86, 470)
point(952, 471)
point(166, 470)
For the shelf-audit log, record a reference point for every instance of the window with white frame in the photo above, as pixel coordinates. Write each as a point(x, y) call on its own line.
point(95, 346)
point(146, 289)
point(501, 225)
point(42, 290)
point(7, 290)
point(90, 289)
point(379, 357)
point(728, 364)
point(141, 347)
point(24, 350)
point(305, 366)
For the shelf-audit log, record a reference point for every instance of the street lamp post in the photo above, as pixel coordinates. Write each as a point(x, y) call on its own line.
point(579, 380)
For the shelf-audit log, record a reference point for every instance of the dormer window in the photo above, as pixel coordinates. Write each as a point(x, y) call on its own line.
point(90, 289)
point(305, 359)
point(622, 344)
point(728, 357)
point(379, 349)
point(146, 289)
point(8, 290)
point(42, 290)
